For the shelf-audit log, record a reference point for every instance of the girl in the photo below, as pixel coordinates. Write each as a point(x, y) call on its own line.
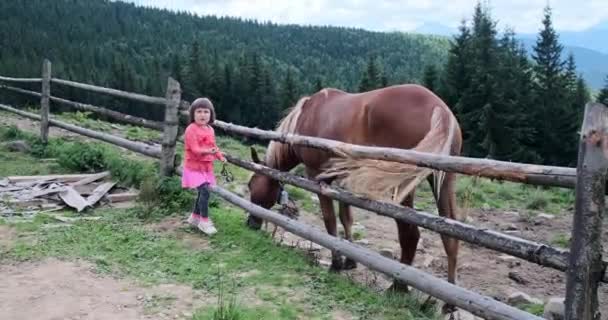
point(200, 151)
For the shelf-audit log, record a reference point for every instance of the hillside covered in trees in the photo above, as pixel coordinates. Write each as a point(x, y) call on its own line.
point(510, 107)
point(251, 69)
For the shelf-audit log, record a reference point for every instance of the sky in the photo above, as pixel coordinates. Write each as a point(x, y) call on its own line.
point(524, 16)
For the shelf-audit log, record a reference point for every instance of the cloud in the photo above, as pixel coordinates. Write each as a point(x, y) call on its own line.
point(404, 15)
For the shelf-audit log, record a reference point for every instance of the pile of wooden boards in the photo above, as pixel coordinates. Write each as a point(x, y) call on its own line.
point(34, 194)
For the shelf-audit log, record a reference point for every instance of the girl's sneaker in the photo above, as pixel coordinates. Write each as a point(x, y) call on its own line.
point(206, 226)
point(194, 219)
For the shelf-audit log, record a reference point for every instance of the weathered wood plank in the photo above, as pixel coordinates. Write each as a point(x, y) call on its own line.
point(586, 269)
point(113, 92)
point(90, 178)
point(15, 89)
point(44, 101)
point(73, 199)
point(468, 300)
point(173, 97)
point(122, 197)
point(535, 252)
point(58, 177)
point(99, 192)
point(27, 80)
point(502, 170)
point(145, 149)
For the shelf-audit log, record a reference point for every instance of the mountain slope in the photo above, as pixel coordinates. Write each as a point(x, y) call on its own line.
point(85, 38)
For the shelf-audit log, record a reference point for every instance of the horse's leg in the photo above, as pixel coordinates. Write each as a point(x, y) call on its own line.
point(346, 217)
point(446, 205)
point(409, 235)
point(329, 218)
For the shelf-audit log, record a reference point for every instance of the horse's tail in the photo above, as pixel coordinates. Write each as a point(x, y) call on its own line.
point(393, 181)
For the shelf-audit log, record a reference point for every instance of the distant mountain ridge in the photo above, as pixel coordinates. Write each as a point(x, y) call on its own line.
point(589, 47)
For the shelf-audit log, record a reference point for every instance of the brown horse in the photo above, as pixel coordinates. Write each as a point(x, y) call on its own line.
point(401, 116)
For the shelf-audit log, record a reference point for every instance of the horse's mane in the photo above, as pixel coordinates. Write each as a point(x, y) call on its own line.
point(277, 150)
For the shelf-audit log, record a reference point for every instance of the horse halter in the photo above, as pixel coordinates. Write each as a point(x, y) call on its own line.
point(227, 175)
point(283, 195)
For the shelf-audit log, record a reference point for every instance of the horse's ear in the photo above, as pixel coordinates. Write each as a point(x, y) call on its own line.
point(254, 155)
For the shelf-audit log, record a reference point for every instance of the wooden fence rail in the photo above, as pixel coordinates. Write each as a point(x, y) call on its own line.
point(112, 92)
point(23, 80)
point(149, 150)
point(115, 115)
point(531, 251)
point(502, 170)
point(468, 300)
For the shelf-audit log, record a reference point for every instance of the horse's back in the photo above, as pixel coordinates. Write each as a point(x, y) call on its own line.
point(397, 116)
point(379, 117)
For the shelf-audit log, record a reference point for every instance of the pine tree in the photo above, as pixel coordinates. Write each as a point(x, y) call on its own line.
point(384, 81)
point(318, 85)
point(231, 110)
point(514, 99)
point(176, 68)
point(479, 101)
point(568, 119)
point(430, 77)
point(195, 76)
point(457, 70)
point(289, 93)
point(371, 76)
point(255, 88)
point(550, 89)
point(602, 97)
point(214, 79)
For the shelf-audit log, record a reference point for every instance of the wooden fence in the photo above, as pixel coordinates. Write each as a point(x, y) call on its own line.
point(584, 268)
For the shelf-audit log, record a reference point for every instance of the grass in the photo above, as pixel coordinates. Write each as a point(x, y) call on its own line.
point(486, 194)
point(15, 163)
point(561, 240)
point(85, 119)
point(284, 280)
point(119, 244)
point(535, 309)
point(288, 285)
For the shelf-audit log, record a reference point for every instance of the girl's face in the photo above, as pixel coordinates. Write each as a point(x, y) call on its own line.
point(202, 116)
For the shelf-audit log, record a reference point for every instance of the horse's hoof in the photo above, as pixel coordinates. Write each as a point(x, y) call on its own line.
point(350, 264)
point(336, 265)
point(448, 309)
point(253, 224)
point(399, 286)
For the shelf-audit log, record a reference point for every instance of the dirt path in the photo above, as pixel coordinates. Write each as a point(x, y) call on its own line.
point(55, 289)
point(481, 270)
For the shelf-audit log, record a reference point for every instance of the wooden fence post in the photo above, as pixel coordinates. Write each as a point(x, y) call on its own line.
point(585, 267)
point(173, 96)
point(44, 101)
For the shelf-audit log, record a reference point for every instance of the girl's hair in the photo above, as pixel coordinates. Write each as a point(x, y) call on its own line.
point(201, 103)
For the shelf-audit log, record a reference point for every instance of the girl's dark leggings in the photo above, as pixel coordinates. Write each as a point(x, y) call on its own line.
point(201, 206)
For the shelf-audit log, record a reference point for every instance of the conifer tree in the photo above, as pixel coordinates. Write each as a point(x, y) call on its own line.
point(550, 89)
point(430, 77)
point(602, 97)
point(371, 77)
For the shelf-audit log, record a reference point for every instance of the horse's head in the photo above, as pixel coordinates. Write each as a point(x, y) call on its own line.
point(263, 190)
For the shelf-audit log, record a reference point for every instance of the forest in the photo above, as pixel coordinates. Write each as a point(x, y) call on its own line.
point(510, 106)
